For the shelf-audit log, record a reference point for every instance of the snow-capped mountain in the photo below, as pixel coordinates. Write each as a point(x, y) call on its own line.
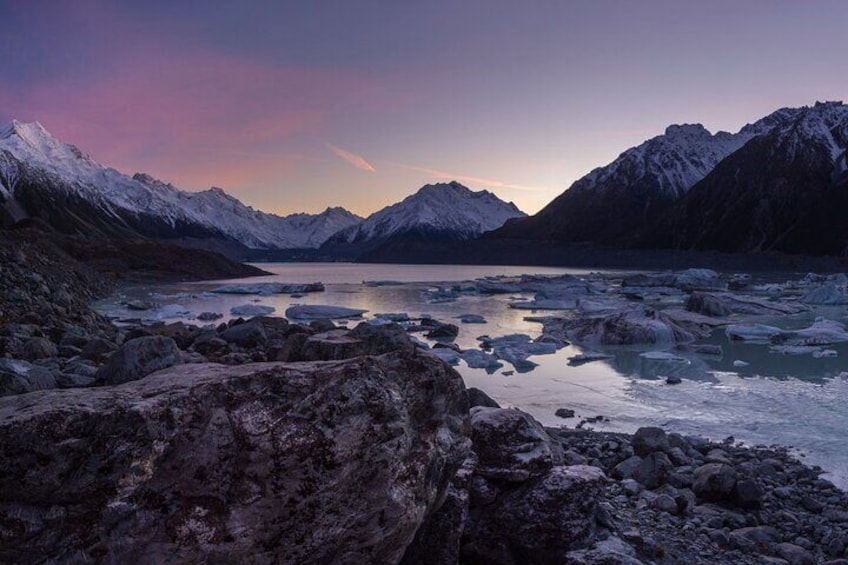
point(610, 202)
point(66, 187)
point(784, 191)
point(443, 211)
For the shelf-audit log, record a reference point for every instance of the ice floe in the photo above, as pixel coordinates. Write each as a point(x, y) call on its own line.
point(269, 288)
point(252, 310)
point(320, 311)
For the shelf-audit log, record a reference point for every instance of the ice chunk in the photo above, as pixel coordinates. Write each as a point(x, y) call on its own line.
point(587, 357)
point(739, 363)
point(753, 332)
point(822, 332)
point(172, 311)
point(269, 288)
point(663, 356)
point(471, 319)
point(446, 354)
point(634, 326)
point(252, 310)
point(393, 316)
point(826, 295)
point(320, 311)
point(477, 359)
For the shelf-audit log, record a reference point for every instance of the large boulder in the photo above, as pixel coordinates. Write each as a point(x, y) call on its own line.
point(137, 358)
point(18, 377)
point(538, 522)
point(511, 445)
point(714, 481)
point(263, 463)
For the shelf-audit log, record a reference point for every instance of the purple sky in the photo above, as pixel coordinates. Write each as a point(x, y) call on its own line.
point(300, 105)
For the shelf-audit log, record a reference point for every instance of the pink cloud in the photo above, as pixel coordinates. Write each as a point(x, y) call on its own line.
point(196, 117)
point(356, 160)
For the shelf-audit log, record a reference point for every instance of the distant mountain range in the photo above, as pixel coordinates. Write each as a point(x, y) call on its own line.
point(69, 190)
point(778, 185)
point(54, 182)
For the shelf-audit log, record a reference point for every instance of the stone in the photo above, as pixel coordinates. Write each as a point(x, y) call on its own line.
point(647, 440)
point(665, 503)
point(627, 468)
point(510, 444)
point(443, 331)
point(38, 348)
point(477, 397)
point(260, 463)
point(749, 494)
point(19, 377)
point(755, 539)
point(137, 358)
point(654, 470)
point(564, 413)
point(538, 522)
point(98, 349)
point(248, 334)
point(332, 345)
point(714, 481)
point(377, 340)
point(794, 554)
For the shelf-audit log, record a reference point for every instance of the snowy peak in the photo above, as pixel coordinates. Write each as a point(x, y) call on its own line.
point(148, 204)
point(449, 210)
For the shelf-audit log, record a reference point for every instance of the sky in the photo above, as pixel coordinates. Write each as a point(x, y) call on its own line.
point(294, 106)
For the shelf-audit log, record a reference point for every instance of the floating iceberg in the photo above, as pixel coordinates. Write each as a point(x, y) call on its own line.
point(317, 311)
point(252, 310)
point(269, 288)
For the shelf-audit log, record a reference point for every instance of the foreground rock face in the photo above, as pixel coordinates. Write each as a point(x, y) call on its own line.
point(288, 463)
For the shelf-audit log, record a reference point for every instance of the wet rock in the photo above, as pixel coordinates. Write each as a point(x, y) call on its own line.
point(258, 463)
point(510, 444)
point(377, 340)
point(137, 358)
point(564, 413)
point(443, 331)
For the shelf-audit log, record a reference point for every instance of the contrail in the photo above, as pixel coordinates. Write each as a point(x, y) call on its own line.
point(356, 160)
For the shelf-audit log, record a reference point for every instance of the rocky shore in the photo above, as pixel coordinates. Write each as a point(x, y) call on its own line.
point(266, 441)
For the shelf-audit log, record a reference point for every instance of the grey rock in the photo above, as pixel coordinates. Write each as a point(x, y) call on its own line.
point(477, 397)
point(19, 377)
point(756, 539)
point(98, 349)
point(749, 494)
point(564, 413)
point(510, 444)
point(38, 348)
point(714, 481)
point(654, 470)
point(137, 358)
point(540, 521)
point(386, 338)
point(647, 440)
point(248, 334)
point(332, 345)
point(794, 554)
point(627, 468)
point(265, 463)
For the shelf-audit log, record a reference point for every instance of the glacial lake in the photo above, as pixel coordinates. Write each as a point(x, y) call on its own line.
point(750, 392)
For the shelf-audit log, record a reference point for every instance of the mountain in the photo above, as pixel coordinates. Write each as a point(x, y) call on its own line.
point(785, 191)
point(612, 203)
point(45, 178)
point(437, 212)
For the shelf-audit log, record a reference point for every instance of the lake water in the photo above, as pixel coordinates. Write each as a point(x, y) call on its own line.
point(774, 399)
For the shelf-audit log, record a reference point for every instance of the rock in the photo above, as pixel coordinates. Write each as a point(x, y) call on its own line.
point(19, 377)
point(477, 397)
point(564, 413)
point(510, 444)
point(714, 481)
point(268, 463)
point(332, 345)
point(654, 470)
point(377, 340)
point(706, 304)
point(673, 380)
point(640, 326)
point(627, 468)
point(755, 539)
point(477, 359)
point(749, 494)
point(443, 331)
point(647, 440)
point(98, 349)
point(322, 325)
point(39, 348)
point(209, 316)
point(471, 319)
point(538, 522)
point(137, 358)
point(665, 503)
point(248, 334)
point(794, 554)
